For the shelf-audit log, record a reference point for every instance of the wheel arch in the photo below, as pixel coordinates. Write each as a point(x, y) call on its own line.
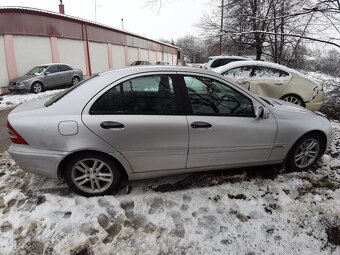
point(61, 166)
point(316, 132)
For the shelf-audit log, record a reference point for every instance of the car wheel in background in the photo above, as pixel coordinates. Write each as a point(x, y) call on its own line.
point(294, 99)
point(305, 152)
point(75, 80)
point(92, 174)
point(37, 87)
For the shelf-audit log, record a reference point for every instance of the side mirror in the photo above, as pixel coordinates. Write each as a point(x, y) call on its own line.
point(47, 72)
point(262, 113)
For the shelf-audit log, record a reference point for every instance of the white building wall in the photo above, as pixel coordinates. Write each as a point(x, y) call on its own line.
point(174, 59)
point(169, 58)
point(143, 55)
point(118, 56)
point(72, 52)
point(31, 51)
point(3, 65)
point(133, 55)
point(99, 57)
point(153, 57)
point(159, 56)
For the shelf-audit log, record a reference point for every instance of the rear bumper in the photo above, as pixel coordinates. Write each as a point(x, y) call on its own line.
point(316, 103)
point(38, 161)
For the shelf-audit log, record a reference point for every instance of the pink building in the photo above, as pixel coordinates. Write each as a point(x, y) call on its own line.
point(30, 37)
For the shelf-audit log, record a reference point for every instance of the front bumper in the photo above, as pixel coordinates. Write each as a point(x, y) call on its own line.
point(17, 88)
point(38, 161)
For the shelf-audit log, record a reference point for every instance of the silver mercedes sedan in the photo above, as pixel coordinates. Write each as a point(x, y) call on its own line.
point(145, 122)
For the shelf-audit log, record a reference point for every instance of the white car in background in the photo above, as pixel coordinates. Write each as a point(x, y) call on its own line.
point(217, 61)
point(276, 81)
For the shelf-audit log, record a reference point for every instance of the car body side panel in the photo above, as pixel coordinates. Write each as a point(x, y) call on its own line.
point(269, 87)
point(301, 87)
point(230, 141)
point(148, 142)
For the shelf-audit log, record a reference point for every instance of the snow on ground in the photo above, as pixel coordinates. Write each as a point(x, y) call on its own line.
point(14, 99)
point(256, 211)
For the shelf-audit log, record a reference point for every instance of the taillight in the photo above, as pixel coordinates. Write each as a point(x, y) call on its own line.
point(15, 137)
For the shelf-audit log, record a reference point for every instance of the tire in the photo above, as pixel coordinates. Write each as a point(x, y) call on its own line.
point(86, 181)
point(294, 99)
point(37, 87)
point(75, 80)
point(305, 152)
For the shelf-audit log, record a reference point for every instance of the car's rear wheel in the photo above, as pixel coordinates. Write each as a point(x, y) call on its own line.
point(305, 152)
point(75, 80)
point(92, 174)
point(294, 99)
point(37, 87)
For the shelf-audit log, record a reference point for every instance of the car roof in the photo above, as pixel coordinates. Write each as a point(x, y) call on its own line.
point(260, 63)
point(227, 56)
point(53, 64)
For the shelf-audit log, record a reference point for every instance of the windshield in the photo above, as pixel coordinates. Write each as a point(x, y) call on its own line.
point(65, 92)
point(37, 70)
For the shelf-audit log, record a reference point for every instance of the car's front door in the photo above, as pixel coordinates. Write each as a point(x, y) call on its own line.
point(66, 74)
point(223, 129)
point(268, 81)
point(143, 119)
point(241, 75)
point(52, 77)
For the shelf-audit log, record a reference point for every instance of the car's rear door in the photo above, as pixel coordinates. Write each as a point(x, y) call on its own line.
point(142, 118)
point(268, 81)
point(223, 129)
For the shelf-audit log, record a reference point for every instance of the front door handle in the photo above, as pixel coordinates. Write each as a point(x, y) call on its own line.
point(200, 124)
point(111, 124)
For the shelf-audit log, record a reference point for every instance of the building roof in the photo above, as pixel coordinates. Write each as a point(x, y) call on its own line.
point(14, 9)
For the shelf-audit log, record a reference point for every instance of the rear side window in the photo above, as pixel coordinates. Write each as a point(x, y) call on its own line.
point(143, 95)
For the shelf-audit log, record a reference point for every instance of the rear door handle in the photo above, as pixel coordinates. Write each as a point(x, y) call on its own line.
point(200, 124)
point(111, 124)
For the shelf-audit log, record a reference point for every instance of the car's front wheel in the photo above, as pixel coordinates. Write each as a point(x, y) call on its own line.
point(306, 151)
point(92, 174)
point(37, 87)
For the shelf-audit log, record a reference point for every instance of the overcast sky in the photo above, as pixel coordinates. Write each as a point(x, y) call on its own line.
point(175, 19)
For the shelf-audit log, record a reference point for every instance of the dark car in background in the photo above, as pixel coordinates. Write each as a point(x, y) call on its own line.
point(47, 76)
point(141, 63)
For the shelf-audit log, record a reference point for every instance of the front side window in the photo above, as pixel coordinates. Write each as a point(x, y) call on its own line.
point(238, 72)
point(64, 68)
point(52, 69)
point(211, 97)
point(142, 95)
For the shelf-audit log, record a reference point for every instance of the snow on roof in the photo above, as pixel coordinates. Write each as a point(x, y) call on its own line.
point(228, 56)
point(260, 63)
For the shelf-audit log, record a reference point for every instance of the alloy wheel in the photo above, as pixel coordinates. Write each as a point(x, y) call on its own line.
point(92, 175)
point(307, 153)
